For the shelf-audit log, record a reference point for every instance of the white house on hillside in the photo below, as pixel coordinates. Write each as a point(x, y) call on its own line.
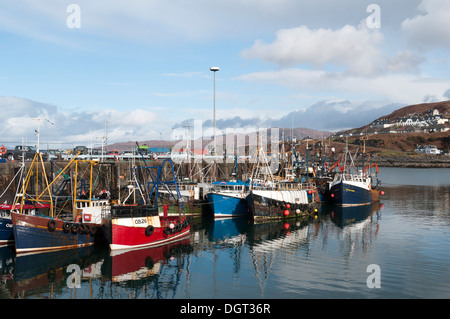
point(428, 149)
point(381, 123)
point(427, 119)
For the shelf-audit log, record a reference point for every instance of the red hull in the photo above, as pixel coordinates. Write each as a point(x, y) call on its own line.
point(138, 263)
point(122, 236)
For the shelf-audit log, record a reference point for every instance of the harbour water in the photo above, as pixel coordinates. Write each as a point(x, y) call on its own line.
point(398, 249)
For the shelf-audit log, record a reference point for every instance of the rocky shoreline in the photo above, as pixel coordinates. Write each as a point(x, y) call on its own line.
point(413, 161)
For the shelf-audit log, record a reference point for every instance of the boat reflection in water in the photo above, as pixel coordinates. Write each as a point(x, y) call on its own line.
point(34, 273)
point(226, 230)
point(351, 215)
point(275, 234)
point(7, 265)
point(141, 265)
point(215, 250)
point(357, 227)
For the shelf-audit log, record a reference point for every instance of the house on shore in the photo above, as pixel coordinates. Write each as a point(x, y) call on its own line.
point(428, 149)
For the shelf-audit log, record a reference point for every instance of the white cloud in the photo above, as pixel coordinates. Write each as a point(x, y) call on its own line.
point(404, 61)
point(353, 62)
point(329, 55)
point(355, 49)
point(402, 88)
point(146, 21)
point(429, 29)
point(58, 126)
point(136, 117)
point(447, 94)
point(199, 21)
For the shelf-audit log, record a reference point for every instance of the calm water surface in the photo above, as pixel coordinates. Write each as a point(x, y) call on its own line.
point(407, 236)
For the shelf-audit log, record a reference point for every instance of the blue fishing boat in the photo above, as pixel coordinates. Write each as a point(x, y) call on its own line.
point(50, 230)
point(6, 224)
point(6, 230)
point(228, 199)
point(350, 186)
point(351, 190)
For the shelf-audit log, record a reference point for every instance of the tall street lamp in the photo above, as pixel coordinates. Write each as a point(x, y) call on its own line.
point(214, 69)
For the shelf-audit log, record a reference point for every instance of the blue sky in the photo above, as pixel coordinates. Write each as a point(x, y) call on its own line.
point(142, 67)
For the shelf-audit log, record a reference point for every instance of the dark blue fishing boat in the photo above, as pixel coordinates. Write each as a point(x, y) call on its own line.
point(6, 223)
point(350, 186)
point(48, 231)
point(6, 230)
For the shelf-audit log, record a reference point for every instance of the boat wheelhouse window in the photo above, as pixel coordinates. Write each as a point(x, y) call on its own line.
point(133, 211)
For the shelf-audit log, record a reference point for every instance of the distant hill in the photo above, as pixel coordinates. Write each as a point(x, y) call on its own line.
point(298, 132)
point(403, 142)
point(442, 107)
point(131, 145)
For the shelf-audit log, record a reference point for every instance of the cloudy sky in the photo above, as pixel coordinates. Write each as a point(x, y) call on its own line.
point(140, 68)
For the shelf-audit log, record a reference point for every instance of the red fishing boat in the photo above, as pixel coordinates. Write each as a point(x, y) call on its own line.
point(140, 226)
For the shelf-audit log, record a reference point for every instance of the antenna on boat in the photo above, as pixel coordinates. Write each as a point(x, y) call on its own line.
point(37, 131)
point(364, 139)
point(187, 128)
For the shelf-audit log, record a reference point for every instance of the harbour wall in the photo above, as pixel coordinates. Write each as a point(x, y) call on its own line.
point(413, 161)
point(112, 176)
point(115, 176)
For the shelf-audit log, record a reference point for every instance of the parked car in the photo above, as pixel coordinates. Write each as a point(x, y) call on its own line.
point(83, 150)
point(19, 151)
point(53, 153)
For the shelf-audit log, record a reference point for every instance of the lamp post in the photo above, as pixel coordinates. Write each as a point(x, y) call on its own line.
point(214, 69)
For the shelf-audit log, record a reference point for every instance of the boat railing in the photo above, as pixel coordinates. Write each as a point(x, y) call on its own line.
point(352, 177)
point(285, 187)
point(229, 188)
point(294, 186)
point(83, 203)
